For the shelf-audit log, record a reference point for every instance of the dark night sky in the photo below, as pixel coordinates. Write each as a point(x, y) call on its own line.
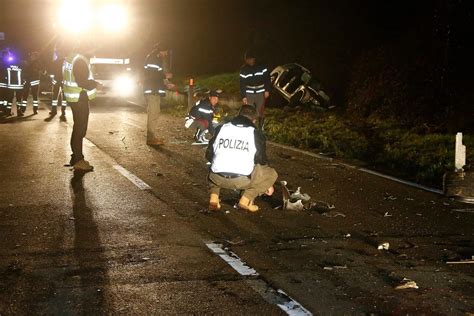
point(210, 36)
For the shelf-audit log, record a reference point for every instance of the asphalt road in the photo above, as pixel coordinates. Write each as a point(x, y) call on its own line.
point(134, 236)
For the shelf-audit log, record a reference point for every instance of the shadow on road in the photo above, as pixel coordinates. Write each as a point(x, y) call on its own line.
point(88, 252)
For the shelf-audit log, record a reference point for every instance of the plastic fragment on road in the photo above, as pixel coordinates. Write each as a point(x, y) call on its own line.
point(406, 284)
point(387, 214)
point(384, 246)
point(335, 267)
point(297, 195)
point(389, 197)
point(334, 214)
point(321, 206)
point(293, 201)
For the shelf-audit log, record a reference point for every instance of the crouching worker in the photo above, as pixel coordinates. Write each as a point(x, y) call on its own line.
point(238, 159)
point(201, 117)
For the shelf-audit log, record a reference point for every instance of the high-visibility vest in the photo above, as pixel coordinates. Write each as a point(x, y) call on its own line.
point(70, 87)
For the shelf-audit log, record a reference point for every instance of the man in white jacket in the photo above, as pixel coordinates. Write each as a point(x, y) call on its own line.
point(237, 153)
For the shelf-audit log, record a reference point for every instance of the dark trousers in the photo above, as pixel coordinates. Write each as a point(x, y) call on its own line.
point(3, 99)
point(10, 96)
point(80, 116)
point(26, 91)
point(58, 98)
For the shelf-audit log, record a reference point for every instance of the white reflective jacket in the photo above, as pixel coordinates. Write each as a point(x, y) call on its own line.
point(234, 150)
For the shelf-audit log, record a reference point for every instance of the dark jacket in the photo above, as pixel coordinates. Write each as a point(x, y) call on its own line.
point(31, 70)
point(202, 110)
point(153, 74)
point(254, 78)
point(81, 74)
point(260, 155)
point(56, 70)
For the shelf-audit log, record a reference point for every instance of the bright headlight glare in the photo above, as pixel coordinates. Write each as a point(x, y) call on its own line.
point(124, 85)
point(113, 18)
point(75, 16)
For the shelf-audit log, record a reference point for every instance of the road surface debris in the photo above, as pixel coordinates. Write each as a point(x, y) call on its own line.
point(384, 246)
point(406, 284)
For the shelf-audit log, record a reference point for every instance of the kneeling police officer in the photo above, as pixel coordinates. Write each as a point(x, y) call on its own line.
point(237, 153)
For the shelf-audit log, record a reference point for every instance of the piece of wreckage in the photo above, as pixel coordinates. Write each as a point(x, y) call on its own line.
point(297, 85)
point(298, 201)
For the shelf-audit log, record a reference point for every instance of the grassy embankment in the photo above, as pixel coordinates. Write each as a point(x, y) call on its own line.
point(381, 144)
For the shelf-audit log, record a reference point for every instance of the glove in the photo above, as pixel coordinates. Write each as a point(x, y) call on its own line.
point(188, 121)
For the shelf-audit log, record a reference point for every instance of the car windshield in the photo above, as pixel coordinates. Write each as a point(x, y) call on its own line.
point(305, 77)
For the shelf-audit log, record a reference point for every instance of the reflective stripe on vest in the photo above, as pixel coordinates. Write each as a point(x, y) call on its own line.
point(72, 91)
point(14, 78)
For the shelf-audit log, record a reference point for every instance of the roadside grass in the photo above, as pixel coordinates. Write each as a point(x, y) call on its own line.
point(385, 146)
point(227, 82)
point(381, 144)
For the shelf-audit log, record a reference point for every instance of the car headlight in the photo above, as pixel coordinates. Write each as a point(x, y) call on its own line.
point(124, 85)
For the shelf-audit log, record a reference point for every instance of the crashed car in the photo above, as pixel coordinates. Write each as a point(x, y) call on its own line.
point(298, 86)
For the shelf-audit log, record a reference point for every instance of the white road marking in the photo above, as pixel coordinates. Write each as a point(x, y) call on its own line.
point(375, 173)
point(88, 143)
point(133, 178)
point(278, 297)
point(232, 259)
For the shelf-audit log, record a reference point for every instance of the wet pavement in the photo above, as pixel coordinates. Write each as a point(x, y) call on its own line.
point(130, 237)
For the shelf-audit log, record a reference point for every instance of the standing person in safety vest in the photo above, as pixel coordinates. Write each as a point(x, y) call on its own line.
point(254, 85)
point(31, 80)
point(237, 153)
point(56, 76)
point(79, 88)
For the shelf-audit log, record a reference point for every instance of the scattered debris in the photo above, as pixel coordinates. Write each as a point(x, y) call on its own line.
point(463, 210)
point(296, 206)
point(333, 214)
point(297, 195)
point(347, 235)
point(462, 261)
point(227, 212)
point(238, 242)
point(158, 174)
point(387, 214)
point(145, 258)
point(409, 199)
point(383, 246)
point(406, 284)
point(72, 218)
point(335, 267)
point(293, 201)
point(389, 197)
point(321, 206)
